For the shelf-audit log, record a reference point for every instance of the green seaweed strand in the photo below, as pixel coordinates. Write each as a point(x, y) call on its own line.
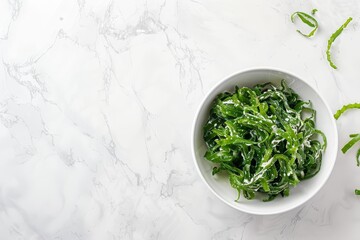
point(345, 108)
point(332, 39)
point(308, 20)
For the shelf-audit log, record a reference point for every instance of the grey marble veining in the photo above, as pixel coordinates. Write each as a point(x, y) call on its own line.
point(97, 99)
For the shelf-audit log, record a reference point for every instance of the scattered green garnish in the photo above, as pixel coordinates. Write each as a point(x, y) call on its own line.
point(345, 108)
point(264, 138)
point(332, 39)
point(308, 20)
point(314, 11)
point(354, 139)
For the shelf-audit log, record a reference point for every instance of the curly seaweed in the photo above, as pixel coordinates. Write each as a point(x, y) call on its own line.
point(264, 138)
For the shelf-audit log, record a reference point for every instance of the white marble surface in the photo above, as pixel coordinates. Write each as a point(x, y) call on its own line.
point(97, 99)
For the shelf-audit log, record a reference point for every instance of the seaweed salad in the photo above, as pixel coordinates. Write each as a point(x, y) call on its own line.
point(264, 138)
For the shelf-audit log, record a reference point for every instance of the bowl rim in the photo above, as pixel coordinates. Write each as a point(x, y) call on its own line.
point(271, 69)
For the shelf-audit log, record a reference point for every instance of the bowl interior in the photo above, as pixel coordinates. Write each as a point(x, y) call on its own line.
point(305, 189)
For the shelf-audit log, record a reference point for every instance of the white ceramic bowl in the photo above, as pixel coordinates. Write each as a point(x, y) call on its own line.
point(306, 189)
